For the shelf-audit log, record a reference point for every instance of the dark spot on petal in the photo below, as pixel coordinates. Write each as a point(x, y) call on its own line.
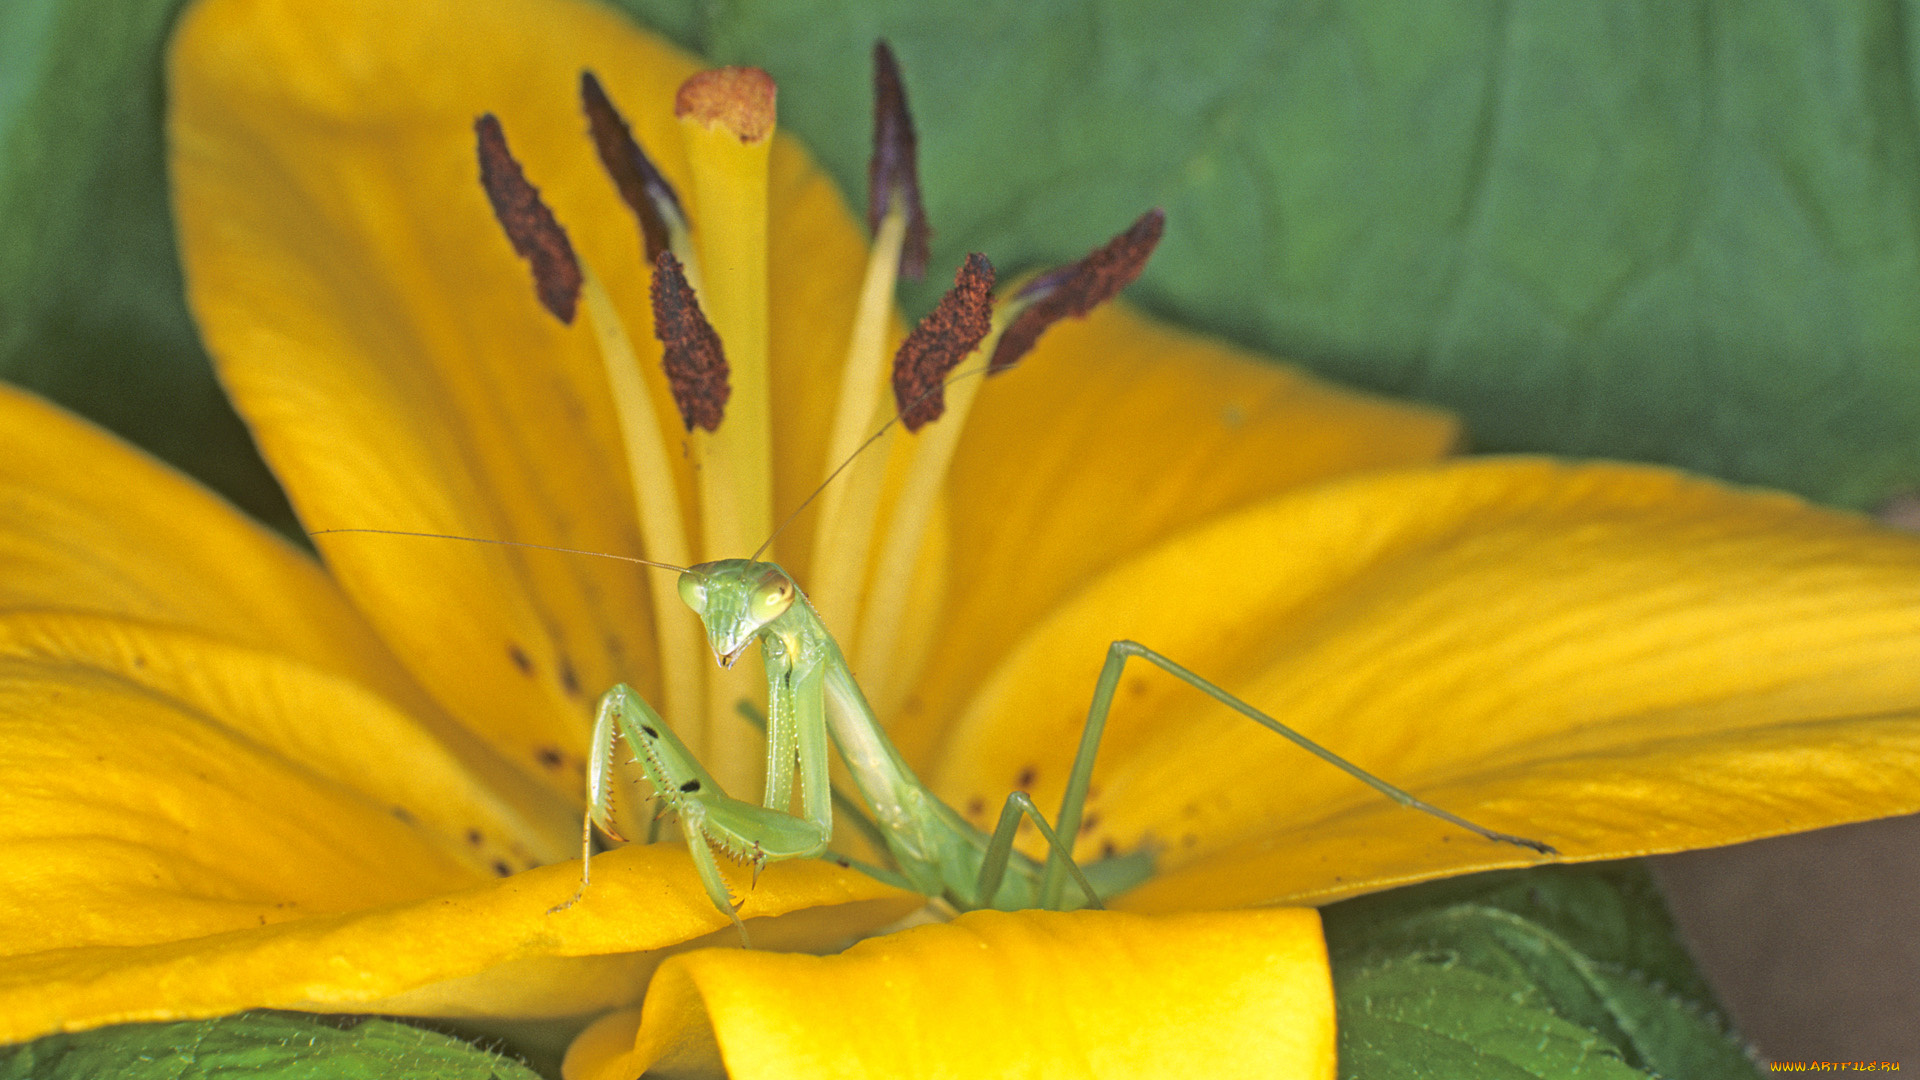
point(1192, 809)
point(475, 838)
point(1189, 840)
point(976, 806)
point(401, 813)
point(1137, 687)
point(1108, 849)
point(501, 868)
point(1091, 822)
point(550, 757)
point(520, 658)
point(569, 681)
point(1024, 781)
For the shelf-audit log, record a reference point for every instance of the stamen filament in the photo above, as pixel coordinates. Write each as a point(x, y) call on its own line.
point(663, 532)
point(885, 612)
point(850, 504)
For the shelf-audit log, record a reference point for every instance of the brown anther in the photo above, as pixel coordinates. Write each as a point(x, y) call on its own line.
point(944, 338)
point(1078, 288)
point(893, 172)
point(738, 99)
point(696, 365)
point(645, 191)
point(535, 233)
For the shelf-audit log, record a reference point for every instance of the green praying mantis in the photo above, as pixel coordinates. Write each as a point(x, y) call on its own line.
point(815, 704)
point(814, 701)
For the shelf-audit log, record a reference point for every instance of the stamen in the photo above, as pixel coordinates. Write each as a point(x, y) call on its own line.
point(850, 504)
point(918, 380)
point(536, 235)
point(1078, 288)
point(949, 332)
point(893, 172)
point(645, 191)
point(663, 533)
point(696, 364)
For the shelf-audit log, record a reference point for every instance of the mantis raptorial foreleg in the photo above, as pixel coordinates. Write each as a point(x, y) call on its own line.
point(710, 819)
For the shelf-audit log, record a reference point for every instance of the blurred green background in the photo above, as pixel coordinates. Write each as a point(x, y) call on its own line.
point(1676, 232)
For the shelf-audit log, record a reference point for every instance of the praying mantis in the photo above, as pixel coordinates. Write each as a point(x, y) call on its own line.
point(814, 701)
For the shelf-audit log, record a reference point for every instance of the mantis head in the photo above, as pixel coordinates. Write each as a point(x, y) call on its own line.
point(736, 599)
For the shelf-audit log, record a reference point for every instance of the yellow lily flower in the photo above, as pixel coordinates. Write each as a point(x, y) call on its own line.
point(236, 780)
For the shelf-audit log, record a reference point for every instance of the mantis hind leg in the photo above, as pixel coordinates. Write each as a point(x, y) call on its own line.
point(993, 865)
point(1078, 781)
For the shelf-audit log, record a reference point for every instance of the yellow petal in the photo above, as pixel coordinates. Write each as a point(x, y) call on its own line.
point(1117, 432)
point(1083, 994)
point(493, 950)
point(193, 827)
point(1614, 660)
point(89, 524)
point(376, 330)
point(137, 811)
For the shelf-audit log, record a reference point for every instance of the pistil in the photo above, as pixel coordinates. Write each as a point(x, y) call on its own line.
point(727, 119)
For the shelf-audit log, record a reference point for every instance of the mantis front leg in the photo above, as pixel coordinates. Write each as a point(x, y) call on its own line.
point(712, 820)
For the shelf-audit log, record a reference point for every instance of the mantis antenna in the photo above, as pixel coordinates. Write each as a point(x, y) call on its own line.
point(503, 543)
point(858, 450)
point(757, 552)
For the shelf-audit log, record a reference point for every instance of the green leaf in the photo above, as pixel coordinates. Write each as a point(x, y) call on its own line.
point(1583, 958)
point(257, 1046)
point(92, 312)
point(1419, 1020)
point(1680, 232)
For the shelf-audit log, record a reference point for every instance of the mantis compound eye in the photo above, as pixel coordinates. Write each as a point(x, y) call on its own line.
point(772, 598)
point(693, 592)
